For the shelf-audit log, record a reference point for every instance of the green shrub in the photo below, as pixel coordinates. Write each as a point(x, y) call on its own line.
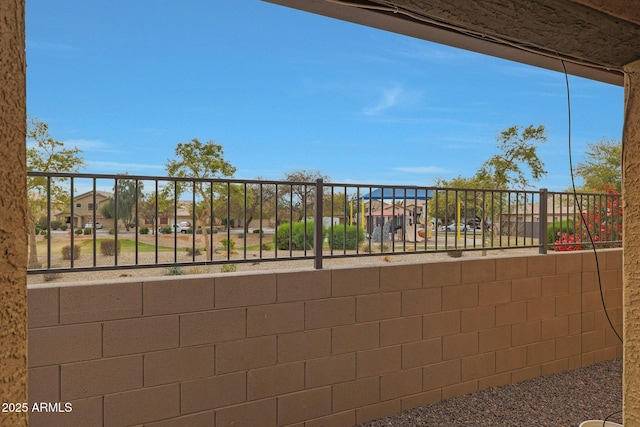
point(257, 231)
point(228, 244)
point(43, 232)
point(174, 271)
point(144, 230)
point(63, 227)
point(108, 247)
point(559, 227)
point(193, 252)
point(87, 231)
point(78, 232)
point(55, 225)
point(228, 268)
point(338, 239)
point(112, 231)
point(267, 246)
point(66, 252)
point(166, 230)
point(300, 238)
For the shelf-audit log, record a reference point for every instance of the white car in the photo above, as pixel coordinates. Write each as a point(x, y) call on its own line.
point(183, 227)
point(97, 226)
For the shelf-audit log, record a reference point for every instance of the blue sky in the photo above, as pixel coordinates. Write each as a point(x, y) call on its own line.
point(282, 89)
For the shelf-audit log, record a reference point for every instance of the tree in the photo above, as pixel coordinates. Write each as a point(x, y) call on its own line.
point(299, 195)
point(128, 191)
point(195, 159)
point(150, 208)
point(46, 155)
point(602, 165)
point(518, 151)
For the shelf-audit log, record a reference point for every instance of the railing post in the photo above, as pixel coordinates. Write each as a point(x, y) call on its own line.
point(317, 226)
point(542, 211)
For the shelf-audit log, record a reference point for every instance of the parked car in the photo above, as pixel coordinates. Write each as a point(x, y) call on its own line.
point(182, 227)
point(453, 227)
point(90, 225)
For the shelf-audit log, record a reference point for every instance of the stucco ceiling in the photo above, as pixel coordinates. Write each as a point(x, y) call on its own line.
point(594, 38)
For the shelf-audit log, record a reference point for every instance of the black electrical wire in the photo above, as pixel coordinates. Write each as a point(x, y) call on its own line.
point(604, 422)
point(579, 204)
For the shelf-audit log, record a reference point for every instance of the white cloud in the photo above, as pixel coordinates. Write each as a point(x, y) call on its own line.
point(389, 98)
point(118, 167)
point(90, 145)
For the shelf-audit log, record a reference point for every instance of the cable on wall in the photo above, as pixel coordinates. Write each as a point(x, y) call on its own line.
point(579, 204)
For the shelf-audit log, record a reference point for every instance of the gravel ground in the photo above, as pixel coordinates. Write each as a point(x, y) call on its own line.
point(558, 400)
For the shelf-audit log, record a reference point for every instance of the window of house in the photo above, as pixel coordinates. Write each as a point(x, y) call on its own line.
point(90, 206)
point(78, 205)
point(164, 221)
point(148, 221)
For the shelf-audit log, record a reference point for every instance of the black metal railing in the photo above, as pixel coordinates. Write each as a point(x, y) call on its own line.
point(85, 222)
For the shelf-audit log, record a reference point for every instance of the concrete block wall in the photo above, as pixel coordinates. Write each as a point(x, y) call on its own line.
point(314, 348)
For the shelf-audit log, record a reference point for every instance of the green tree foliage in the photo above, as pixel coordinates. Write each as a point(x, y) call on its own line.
point(127, 191)
point(195, 159)
point(299, 196)
point(602, 165)
point(46, 154)
point(517, 147)
point(154, 205)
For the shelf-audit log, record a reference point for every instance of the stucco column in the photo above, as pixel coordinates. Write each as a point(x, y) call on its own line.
point(631, 233)
point(13, 209)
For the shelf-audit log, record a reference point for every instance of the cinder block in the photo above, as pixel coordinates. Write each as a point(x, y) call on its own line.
point(85, 413)
point(552, 286)
point(459, 296)
point(478, 366)
point(99, 377)
point(400, 277)
point(381, 360)
point(591, 301)
point(355, 281)
point(213, 326)
point(613, 259)
point(456, 390)
point(275, 380)
point(330, 312)
point(478, 318)
point(43, 306)
point(478, 270)
point(304, 345)
point(610, 279)
point(526, 289)
point(575, 324)
point(508, 268)
point(459, 345)
point(180, 364)
point(440, 324)
point(377, 410)
point(80, 304)
point(361, 336)
point(511, 359)
point(421, 353)
point(245, 290)
point(378, 307)
point(330, 370)
point(259, 413)
point(304, 405)
point(275, 319)
point(543, 308)
point(400, 384)
point(201, 419)
point(303, 285)
point(592, 341)
point(555, 327)
point(440, 375)
point(525, 374)
point(568, 262)
point(541, 265)
point(242, 355)
point(511, 314)
point(526, 333)
point(44, 384)
point(140, 335)
point(142, 405)
point(355, 394)
point(568, 346)
point(421, 301)
point(213, 392)
point(177, 296)
point(421, 399)
point(568, 304)
point(497, 380)
point(494, 339)
point(64, 344)
point(398, 331)
point(493, 293)
point(575, 283)
point(554, 367)
point(441, 273)
point(341, 419)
